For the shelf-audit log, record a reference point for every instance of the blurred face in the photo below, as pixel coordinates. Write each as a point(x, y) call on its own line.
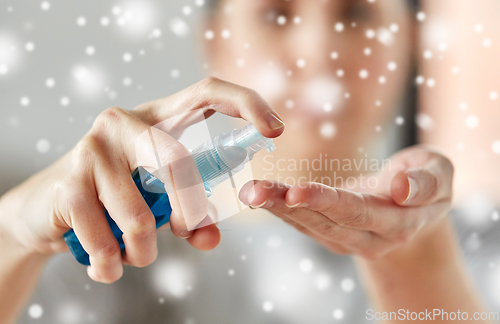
point(333, 69)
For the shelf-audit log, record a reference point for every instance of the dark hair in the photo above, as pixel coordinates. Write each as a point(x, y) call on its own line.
point(212, 4)
point(415, 4)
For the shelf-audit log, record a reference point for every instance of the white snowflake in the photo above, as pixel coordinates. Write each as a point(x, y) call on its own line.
point(347, 285)
point(64, 101)
point(394, 28)
point(45, 5)
point(226, 33)
point(25, 101)
point(43, 145)
point(328, 129)
point(472, 121)
point(301, 63)
point(179, 27)
point(127, 57)
point(431, 83)
point(392, 66)
point(323, 281)
point(338, 314)
point(30, 47)
point(306, 265)
point(81, 21)
point(90, 50)
point(186, 10)
point(421, 16)
point(175, 74)
point(495, 147)
point(209, 34)
point(274, 241)
point(267, 306)
point(35, 311)
point(50, 83)
point(105, 21)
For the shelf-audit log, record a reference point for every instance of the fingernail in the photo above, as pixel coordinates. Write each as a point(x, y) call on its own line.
point(274, 121)
point(298, 205)
point(251, 195)
point(413, 189)
point(265, 204)
point(205, 222)
point(185, 234)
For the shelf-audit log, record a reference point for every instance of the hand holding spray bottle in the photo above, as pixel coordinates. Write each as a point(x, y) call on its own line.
point(217, 160)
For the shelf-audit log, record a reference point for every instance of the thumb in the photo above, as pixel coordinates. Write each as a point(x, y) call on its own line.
point(415, 187)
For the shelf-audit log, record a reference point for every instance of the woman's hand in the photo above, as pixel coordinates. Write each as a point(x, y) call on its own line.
point(411, 196)
point(96, 174)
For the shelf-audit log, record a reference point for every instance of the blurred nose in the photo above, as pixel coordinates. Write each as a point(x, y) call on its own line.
point(311, 43)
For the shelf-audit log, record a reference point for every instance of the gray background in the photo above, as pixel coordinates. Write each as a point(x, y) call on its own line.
point(65, 293)
point(60, 45)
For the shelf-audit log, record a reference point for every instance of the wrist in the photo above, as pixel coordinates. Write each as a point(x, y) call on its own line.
point(14, 238)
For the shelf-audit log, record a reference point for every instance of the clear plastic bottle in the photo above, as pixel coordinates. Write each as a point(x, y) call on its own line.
point(217, 160)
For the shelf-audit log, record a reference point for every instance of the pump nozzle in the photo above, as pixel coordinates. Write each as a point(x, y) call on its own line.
point(229, 152)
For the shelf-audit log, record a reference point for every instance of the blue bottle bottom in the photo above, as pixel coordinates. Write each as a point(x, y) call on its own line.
point(154, 195)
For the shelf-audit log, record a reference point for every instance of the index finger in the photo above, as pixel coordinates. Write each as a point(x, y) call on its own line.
point(213, 95)
point(370, 212)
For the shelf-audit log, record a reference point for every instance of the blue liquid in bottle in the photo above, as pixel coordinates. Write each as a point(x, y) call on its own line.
point(157, 201)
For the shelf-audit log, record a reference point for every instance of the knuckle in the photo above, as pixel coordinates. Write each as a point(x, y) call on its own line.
point(327, 229)
point(145, 261)
point(357, 219)
point(75, 201)
point(141, 225)
point(107, 251)
point(405, 235)
point(86, 150)
point(208, 83)
point(372, 254)
point(62, 189)
point(111, 279)
point(107, 118)
point(71, 198)
point(358, 211)
point(251, 97)
point(359, 215)
point(172, 152)
point(301, 191)
point(337, 249)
